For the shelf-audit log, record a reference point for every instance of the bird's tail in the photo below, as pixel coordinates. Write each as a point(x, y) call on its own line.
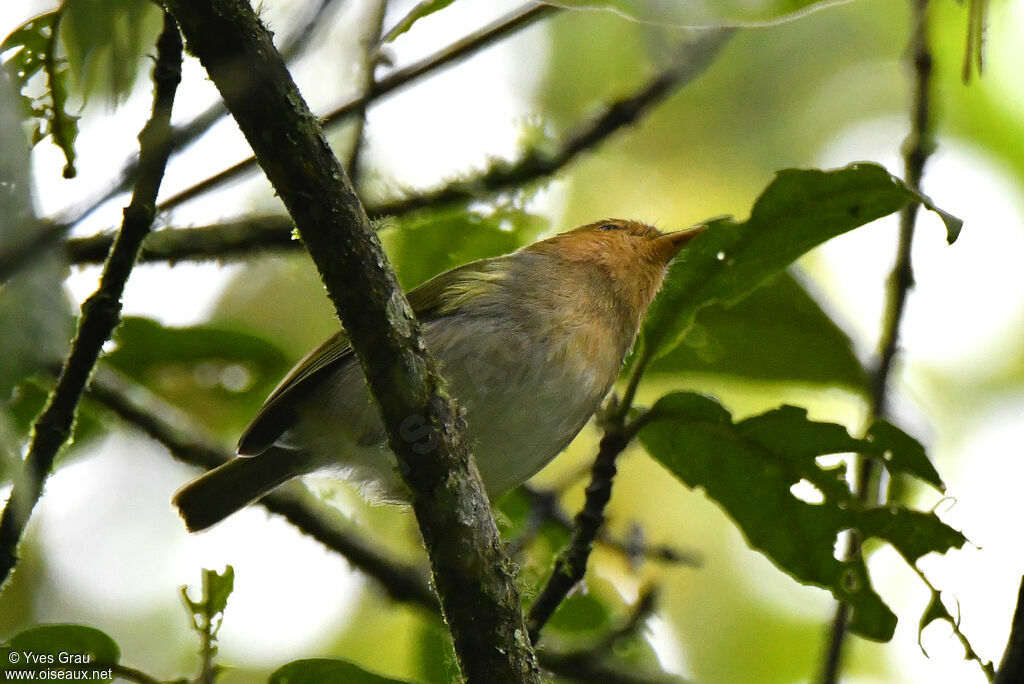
point(236, 484)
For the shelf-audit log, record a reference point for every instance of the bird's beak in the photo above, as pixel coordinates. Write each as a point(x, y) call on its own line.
point(669, 244)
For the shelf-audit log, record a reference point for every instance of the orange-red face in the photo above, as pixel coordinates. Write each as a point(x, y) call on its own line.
point(623, 245)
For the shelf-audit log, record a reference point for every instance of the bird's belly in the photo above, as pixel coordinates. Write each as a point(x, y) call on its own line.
point(523, 399)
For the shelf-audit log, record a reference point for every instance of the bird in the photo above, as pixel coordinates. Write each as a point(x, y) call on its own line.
point(529, 342)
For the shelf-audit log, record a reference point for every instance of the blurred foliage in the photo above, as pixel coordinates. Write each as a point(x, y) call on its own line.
point(33, 47)
point(35, 320)
point(106, 41)
point(219, 374)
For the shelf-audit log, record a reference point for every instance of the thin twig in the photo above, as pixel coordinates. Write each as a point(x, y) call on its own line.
point(230, 240)
point(587, 664)
point(917, 147)
point(371, 58)
point(544, 509)
point(571, 564)
point(237, 239)
point(100, 312)
point(456, 51)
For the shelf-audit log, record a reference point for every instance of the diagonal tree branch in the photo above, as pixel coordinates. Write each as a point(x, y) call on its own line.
point(479, 598)
point(240, 238)
point(101, 312)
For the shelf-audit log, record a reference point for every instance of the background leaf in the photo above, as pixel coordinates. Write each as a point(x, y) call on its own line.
point(317, 670)
point(424, 8)
point(106, 41)
point(778, 332)
point(31, 52)
point(749, 469)
point(218, 373)
point(693, 13)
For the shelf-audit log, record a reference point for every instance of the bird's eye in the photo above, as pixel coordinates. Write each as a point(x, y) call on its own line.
point(611, 226)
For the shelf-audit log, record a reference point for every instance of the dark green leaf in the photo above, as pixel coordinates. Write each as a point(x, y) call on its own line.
point(778, 332)
point(799, 210)
point(422, 9)
point(937, 611)
point(902, 454)
point(750, 468)
point(23, 409)
point(319, 670)
point(48, 642)
point(703, 14)
point(32, 49)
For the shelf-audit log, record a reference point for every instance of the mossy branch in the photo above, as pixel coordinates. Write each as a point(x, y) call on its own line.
point(478, 594)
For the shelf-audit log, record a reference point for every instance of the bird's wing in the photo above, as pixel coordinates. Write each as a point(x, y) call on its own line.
point(431, 300)
point(278, 411)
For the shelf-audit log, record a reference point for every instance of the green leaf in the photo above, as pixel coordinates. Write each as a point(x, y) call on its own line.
point(799, 210)
point(902, 454)
point(32, 49)
point(937, 611)
point(778, 332)
point(749, 468)
point(221, 374)
point(581, 613)
point(318, 670)
point(422, 9)
point(424, 245)
point(41, 648)
point(106, 41)
point(703, 14)
point(217, 587)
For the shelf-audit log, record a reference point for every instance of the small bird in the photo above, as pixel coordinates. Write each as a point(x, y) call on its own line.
point(529, 342)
